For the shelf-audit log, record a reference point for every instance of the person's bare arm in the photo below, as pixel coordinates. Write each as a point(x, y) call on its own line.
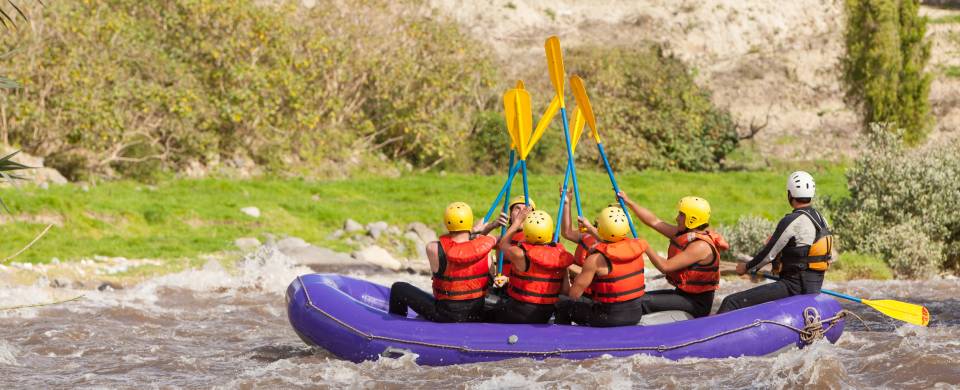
point(433, 250)
point(696, 252)
point(484, 229)
point(582, 281)
point(588, 227)
point(566, 227)
point(513, 229)
point(649, 218)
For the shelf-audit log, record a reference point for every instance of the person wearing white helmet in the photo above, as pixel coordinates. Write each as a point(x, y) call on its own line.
point(803, 244)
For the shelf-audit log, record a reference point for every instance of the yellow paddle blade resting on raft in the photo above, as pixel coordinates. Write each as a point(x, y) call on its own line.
point(906, 312)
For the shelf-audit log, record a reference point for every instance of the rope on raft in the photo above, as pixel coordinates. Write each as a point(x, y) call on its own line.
point(813, 330)
point(42, 304)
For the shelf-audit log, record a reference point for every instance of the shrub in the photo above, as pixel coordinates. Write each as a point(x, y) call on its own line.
point(902, 204)
point(128, 87)
point(651, 109)
point(746, 236)
point(884, 64)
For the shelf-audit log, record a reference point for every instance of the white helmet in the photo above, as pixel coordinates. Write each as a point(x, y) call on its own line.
point(800, 185)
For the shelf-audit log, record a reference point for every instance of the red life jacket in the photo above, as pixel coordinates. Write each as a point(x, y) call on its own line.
point(625, 280)
point(515, 240)
point(464, 270)
point(697, 278)
point(584, 248)
point(541, 282)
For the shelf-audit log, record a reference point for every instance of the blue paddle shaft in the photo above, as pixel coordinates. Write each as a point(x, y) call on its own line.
point(828, 292)
point(570, 165)
point(503, 190)
point(526, 191)
point(505, 209)
point(616, 188)
point(563, 201)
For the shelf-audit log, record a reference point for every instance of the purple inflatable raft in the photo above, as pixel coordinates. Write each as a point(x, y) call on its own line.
point(349, 318)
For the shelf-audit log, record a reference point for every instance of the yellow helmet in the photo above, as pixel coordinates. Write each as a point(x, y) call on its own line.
point(520, 200)
point(696, 211)
point(612, 224)
point(458, 217)
point(538, 227)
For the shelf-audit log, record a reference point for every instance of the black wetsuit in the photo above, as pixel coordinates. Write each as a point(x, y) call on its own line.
point(792, 239)
point(404, 295)
point(698, 305)
point(586, 312)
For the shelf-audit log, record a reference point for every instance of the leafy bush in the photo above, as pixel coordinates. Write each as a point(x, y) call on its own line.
point(884, 65)
point(902, 204)
point(128, 87)
point(652, 111)
point(746, 236)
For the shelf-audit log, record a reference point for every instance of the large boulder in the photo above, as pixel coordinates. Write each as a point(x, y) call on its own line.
point(375, 229)
point(310, 255)
point(246, 244)
point(425, 233)
point(351, 226)
point(378, 256)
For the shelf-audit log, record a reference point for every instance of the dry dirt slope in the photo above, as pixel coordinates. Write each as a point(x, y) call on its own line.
point(769, 61)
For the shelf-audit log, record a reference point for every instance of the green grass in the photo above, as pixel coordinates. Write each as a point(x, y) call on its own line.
point(952, 71)
point(853, 265)
point(948, 19)
point(178, 219)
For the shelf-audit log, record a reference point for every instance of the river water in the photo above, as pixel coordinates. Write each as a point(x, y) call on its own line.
point(220, 328)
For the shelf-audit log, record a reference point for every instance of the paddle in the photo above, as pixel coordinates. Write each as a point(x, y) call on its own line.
point(557, 76)
point(903, 311)
point(584, 107)
point(516, 107)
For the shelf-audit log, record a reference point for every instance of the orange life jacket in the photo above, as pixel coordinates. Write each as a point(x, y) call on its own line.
point(515, 240)
point(541, 282)
point(464, 270)
point(584, 248)
point(697, 278)
point(625, 280)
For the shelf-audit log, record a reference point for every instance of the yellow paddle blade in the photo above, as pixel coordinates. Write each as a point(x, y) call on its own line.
point(510, 115)
point(524, 123)
point(578, 124)
point(583, 104)
point(548, 115)
point(520, 84)
point(906, 312)
point(555, 65)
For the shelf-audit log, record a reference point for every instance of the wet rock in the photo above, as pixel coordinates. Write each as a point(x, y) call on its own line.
point(246, 243)
point(393, 231)
point(336, 234)
point(375, 229)
point(109, 286)
point(378, 256)
point(310, 255)
point(291, 243)
point(418, 245)
point(351, 226)
point(60, 282)
point(425, 233)
point(419, 266)
point(251, 211)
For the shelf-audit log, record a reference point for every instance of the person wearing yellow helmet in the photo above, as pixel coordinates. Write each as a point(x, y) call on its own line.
point(461, 271)
point(513, 208)
point(692, 265)
point(538, 269)
point(612, 274)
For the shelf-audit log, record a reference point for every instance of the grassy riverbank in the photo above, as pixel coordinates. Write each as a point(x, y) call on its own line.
point(180, 218)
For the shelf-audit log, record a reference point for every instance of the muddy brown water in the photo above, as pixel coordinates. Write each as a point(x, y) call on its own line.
point(210, 328)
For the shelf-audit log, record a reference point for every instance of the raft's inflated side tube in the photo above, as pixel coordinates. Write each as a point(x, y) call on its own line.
point(349, 318)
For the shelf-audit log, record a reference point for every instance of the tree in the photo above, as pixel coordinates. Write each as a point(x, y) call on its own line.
point(884, 65)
